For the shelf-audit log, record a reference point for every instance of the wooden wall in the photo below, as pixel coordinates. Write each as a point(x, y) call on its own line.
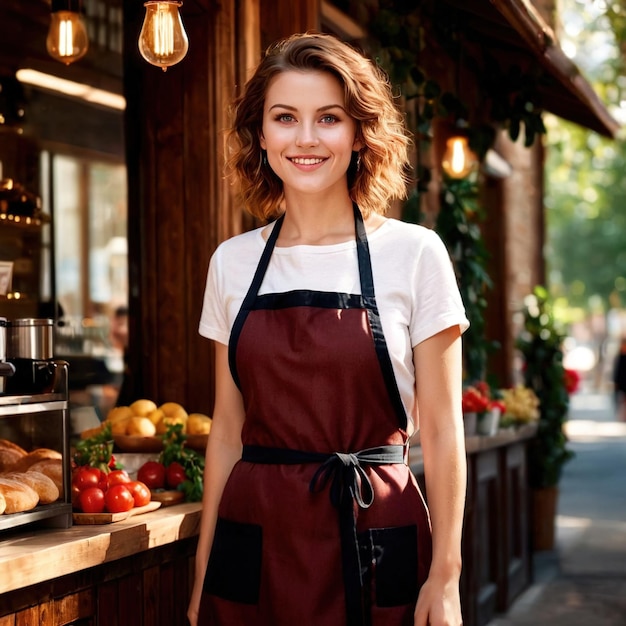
point(514, 233)
point(180, 205)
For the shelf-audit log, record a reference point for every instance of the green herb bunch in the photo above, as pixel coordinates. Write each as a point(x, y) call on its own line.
point(174, 449)
point(97, 451)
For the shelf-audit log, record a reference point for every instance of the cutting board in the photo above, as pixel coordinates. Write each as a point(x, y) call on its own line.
point(109, 518)
point(167, 497)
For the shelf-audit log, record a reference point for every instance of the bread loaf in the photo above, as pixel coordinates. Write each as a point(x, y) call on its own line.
point(3, 504)
point(39, 454)
point(9, 458)
point(53, 469)
point(19, 497)
point(6, 443)
point(44, 485)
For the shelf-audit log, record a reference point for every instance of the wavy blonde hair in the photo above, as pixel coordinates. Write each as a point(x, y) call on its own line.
point(383, 161)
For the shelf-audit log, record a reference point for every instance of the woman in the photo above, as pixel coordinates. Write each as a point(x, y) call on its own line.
point(331, 325)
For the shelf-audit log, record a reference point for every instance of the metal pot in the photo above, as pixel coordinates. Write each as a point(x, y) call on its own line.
point(30, 338)
point(6, 369)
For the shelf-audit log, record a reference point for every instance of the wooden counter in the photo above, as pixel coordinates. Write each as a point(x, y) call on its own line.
point(134, 572)
point(139, 572)
point(497, 555)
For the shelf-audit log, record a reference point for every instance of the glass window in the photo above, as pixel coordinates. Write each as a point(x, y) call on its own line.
point(89, 207)
point(69, 243)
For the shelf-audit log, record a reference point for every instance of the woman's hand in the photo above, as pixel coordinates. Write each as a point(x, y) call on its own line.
point(438, 604)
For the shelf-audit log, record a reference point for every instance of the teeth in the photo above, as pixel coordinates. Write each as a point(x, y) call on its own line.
point(307, 161)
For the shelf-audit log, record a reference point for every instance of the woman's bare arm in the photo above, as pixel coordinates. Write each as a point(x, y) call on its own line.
point(223, 451)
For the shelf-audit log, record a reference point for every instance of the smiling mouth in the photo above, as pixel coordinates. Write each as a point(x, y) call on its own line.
point(307, 161)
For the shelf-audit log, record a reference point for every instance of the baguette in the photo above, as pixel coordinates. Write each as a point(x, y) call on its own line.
point(44, 485)
point(18, 496)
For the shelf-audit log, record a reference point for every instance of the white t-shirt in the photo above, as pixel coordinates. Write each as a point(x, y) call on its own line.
point(415, 286)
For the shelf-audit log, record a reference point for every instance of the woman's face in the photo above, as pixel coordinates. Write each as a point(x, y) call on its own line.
point(308, 135)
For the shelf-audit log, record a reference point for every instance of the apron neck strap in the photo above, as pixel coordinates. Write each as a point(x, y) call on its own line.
point(263, 263)
point(363, 253)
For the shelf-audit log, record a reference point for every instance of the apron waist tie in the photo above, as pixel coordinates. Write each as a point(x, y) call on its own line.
point(349, 484)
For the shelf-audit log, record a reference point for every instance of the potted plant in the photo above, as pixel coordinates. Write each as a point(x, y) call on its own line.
point(475, 401)
point(540, 343)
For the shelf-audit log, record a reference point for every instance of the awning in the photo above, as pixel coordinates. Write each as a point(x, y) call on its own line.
point(515, 26)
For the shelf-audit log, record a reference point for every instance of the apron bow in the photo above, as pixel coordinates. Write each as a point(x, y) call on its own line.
point(346, 476)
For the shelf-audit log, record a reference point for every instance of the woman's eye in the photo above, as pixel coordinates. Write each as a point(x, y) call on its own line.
point(329, 119)
point(285, 117)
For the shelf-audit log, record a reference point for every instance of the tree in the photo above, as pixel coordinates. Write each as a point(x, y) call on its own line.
point(585, 187)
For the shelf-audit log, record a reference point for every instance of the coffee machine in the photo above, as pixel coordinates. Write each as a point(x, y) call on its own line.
point(30, 346)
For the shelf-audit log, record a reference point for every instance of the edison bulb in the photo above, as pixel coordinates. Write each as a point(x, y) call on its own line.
point(458, 159)
point(67, 39)
point(163, 40)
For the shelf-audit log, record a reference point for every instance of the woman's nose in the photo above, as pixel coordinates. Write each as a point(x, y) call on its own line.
point(306, 135)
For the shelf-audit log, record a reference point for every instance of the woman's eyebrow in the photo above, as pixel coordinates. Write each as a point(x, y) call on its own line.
point(292, 108)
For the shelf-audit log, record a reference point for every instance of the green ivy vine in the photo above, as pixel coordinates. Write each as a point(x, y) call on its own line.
point(458, 224)
point(397, 35)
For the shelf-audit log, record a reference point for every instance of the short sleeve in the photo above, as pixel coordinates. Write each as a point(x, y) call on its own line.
point(214, 318)
point(437, 303)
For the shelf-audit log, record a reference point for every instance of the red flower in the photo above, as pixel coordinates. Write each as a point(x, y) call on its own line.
point(571, 380)
point(498, 404)
point(474, 400)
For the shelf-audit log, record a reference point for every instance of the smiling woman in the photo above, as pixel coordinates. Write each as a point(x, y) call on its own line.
point(308, 136)
point(323, 350)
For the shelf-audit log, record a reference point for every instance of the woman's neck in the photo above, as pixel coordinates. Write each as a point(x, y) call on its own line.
point(319, 221)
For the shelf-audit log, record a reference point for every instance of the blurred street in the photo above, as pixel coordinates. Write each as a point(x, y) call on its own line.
point(583, 581)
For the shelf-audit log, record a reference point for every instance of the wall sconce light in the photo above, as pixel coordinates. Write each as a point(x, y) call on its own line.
point(163, 40)
point(67, 39)
point(458, 160)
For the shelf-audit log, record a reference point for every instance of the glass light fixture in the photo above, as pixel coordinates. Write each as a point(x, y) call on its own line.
point(67, 39)
point(163, 41)
point(458, 159)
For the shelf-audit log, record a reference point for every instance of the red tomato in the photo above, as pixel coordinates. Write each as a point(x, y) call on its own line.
point(140, 492)
point(118, 499)
point(175, 474)
point(91, 500)
point(103, 483)
point(152, 474)
point(117, 477)
point(76, 497)
point(86, 476)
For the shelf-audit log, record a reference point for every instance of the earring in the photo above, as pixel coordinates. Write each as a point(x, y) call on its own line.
point(356, 160)
point(264, 158)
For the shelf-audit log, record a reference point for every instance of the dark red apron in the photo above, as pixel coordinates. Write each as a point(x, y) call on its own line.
point(321, 522)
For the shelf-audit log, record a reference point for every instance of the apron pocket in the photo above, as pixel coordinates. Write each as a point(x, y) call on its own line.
point(392, 557)
point(234, 568)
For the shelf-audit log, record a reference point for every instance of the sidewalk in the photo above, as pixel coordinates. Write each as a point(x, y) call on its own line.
point(583, 581)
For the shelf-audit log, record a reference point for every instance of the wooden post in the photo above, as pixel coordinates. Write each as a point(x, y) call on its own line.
point(180, 204)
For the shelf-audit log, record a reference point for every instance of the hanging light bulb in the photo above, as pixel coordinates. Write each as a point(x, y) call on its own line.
point(458, 159)
point(163, 40)
point(67, 39)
